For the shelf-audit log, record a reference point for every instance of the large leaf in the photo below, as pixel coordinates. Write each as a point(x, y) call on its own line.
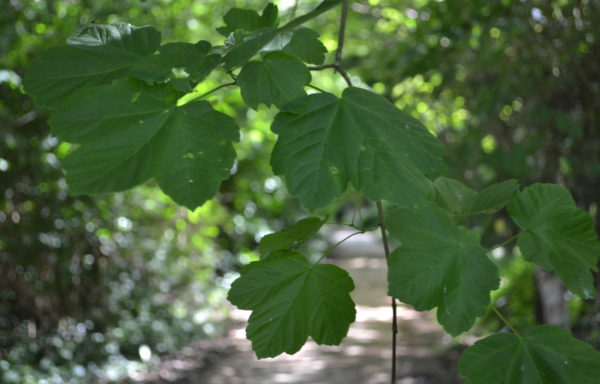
point(292, 300)
point(196, 59)
point(361, 138)
point(439, 264)
point(557, 235)
point(544, 355)
point(277, 79)
point(95, 55)
point(288, 236)
point(130, 132)
point(305, 44)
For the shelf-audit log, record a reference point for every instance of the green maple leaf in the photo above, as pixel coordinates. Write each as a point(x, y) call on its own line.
point(96, 55)
point(544, 355)
point(557, 235)
point(277, 79)
point(288, 236)
point(462, 200)
point(305, 44)
point(327, 142)
point(439, 264)
point(196, 59)
point(291, 300)
point(130, 131)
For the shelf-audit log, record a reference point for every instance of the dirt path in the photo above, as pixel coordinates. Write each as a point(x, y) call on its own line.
point(363, 357)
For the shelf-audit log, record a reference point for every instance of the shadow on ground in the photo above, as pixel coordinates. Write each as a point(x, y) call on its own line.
point(424, 352)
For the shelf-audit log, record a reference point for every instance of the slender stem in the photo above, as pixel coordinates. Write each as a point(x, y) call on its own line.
point(386, 248)
point(216, 89)
point(316, 88)
point(505, 321)
point(504, 243)
point(337, 65)
point(328, 250)
point(341, 34)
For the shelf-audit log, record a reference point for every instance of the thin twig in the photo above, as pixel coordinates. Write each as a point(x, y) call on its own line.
point(337, 65)
point(505, 321)
point(215, 89)
point(504, 243)
point(386, 248)
point(328, 250)
point(316, 88)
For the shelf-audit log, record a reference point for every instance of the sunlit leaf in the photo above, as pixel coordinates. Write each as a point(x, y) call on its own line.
point(544, 355)
point(291, 300)
point(285, 238)
point(96, 55)
point(277, 79)
point(439, 264)
point(130, 132)
point(361, 138)
point(557, 235)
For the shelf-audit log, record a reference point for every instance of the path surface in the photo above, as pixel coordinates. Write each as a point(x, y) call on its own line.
point(365, 354)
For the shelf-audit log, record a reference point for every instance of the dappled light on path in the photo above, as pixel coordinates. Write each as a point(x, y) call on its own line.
point(363, 357)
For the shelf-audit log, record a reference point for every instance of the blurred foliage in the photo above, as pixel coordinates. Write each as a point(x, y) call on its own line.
point(87, 283)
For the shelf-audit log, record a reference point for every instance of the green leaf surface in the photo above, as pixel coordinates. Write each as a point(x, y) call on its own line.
point(252, 44)
point(240, 53)
point(248, 19)
point(196, 59)
point(557, 235)
point(361, 138)
point(439, 264)
point(305, 45)
point(494, 197)
point(277, 79)
point(288, 236)
point(544, 355)
point(453, 195)
point(292, 300)
point(457, 198)
point(130, 132)
point(96, 55)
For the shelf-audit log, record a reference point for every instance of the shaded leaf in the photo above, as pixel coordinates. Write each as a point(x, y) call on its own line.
point(248, 19)
point(285, 238)
point(130, 132)
point(196, 59)
point(494, 197)
point(439, 264)
point(327, 142)
point(292, 300)
point(453, 195)
point(96, 55)
point(557, 235)
point(277, 79)
point(544, 355)
point(305, 45)
point(252, 44)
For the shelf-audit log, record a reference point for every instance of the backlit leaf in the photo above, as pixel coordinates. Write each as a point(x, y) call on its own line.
point(544, 355)
point(557, 235)
point(291, 300)
point(277, 79)
point(130, 132)
point(361, 138)
point(439, 264)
